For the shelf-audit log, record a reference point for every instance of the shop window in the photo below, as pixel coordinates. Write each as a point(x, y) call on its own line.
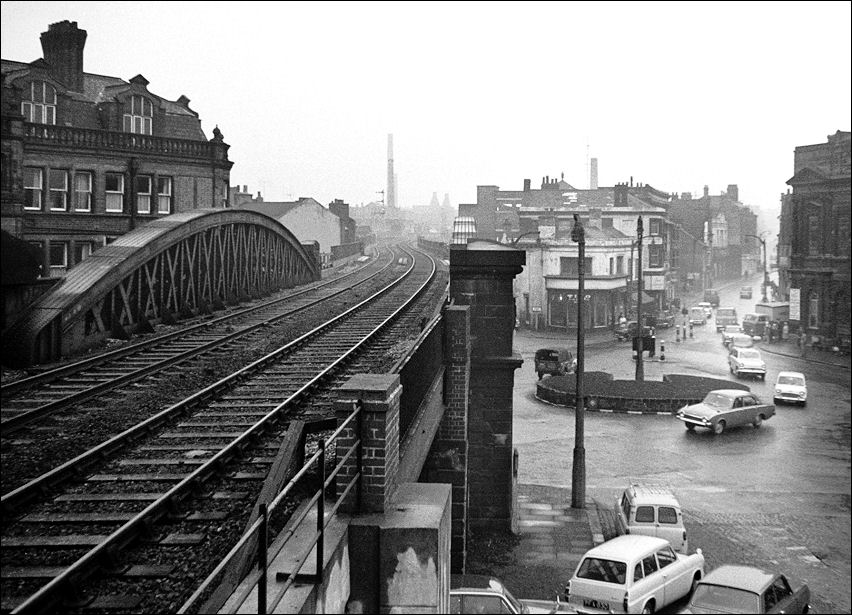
point(138, 115)
point(58, 189)
point(32, 188)
point(115, 192)
point(83, 191)
point(143, 194)
point(41, 106)
point(164, 195)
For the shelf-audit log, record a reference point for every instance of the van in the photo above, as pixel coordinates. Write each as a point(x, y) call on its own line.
point(755, 324)
point(697, 315)
point(726, 316)
point(652, 511)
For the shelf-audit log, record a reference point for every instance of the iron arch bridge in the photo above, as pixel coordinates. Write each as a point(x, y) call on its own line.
point(173, 267)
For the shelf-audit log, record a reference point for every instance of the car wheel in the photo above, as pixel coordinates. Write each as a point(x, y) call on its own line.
point(776, 401)
point(540, 374)
point(690, 426)
point(763, 377)
point(719, 427)
point(758, 421)
point(736, 372)
point(648, 608)
point(695, 580)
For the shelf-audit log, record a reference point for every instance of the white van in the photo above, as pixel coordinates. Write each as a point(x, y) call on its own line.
point(652, 511)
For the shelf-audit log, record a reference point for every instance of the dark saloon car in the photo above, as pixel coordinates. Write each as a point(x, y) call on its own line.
point(725, 408)
point(745, 589)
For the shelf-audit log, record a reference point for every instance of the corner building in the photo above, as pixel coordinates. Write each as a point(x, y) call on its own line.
point(87, 157)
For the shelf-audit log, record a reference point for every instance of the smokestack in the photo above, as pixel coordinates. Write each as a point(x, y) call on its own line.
point(593, 175)
point(390, 195)
point(62, 45)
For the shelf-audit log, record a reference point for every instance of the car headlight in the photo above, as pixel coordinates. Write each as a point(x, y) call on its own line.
point(778, 391)
point(803, 394)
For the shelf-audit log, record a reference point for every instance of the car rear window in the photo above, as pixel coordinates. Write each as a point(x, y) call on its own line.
point(667, 514)
point(644, 514)
point(725, 599)
point(606, 570)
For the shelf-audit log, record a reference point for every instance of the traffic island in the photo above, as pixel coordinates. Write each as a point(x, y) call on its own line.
point(604, 394)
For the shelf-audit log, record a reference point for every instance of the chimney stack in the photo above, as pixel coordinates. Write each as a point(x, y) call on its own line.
point(62, 45)
point(733, 192)
point(390, 195)
point(593, 174)
point(527, 185)
point(706, 191)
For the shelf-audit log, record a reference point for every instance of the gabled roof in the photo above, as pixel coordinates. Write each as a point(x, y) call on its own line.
point(806, 176)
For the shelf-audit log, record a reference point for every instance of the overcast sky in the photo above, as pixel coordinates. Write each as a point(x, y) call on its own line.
point(676, 95)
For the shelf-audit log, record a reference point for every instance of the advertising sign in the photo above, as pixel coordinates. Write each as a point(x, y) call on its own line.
point(795, 304)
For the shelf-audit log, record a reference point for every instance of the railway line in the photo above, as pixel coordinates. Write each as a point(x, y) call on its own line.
point(53, 416)
point(160, 503)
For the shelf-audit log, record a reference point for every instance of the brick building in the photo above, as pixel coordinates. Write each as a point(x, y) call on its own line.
point(87, 157)
point(814, 239)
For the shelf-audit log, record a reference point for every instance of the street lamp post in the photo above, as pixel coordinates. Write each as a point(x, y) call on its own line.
point(640, 368)
point(578, 471)
point(765, 266)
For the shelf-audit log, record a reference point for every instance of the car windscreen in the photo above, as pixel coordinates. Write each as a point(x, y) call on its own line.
point(606, 570)
point(795, 380)
point(717, 401)
point(725, 599)
point(749, 354)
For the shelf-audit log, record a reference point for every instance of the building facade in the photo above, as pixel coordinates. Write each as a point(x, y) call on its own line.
point(814, 239)
point(87, 157)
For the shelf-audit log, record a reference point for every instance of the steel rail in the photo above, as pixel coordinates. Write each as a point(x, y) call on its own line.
point(51, 593)
point(105, 357)
point(18, 421)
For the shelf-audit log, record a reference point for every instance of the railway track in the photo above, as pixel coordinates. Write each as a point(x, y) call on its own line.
point(48, 436)
point(29, 399)
point(163, 501)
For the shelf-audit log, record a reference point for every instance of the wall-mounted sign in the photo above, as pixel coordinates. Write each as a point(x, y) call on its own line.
point(795, 304)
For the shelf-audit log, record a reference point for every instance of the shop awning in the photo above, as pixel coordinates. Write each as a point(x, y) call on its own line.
point(646, 298)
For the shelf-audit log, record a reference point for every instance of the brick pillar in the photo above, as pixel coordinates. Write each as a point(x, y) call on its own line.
point(481, 276)
point(379, 395)
point(447, 461)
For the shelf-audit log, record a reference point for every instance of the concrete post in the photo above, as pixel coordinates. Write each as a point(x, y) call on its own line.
point(379, 395)
point(481, 276)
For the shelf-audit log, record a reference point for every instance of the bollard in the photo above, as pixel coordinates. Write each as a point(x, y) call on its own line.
point(690, 330)
point(677, 333)
point(662, 350)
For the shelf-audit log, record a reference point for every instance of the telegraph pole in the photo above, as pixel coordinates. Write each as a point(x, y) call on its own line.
point(578, 471)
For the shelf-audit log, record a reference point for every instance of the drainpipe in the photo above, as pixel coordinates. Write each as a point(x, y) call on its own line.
point(133, 168)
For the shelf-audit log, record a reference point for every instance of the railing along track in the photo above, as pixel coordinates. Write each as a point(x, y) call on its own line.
point(367, 319)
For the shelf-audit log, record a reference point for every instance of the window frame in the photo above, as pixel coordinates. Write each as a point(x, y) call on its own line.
point(143, 197)
point(140, 123)
point(51, 191)
point(114, 193)
point(653, 518)
point(51, 245)
point(39, 190)
point(167, 196)
point(83, 195)
point(666, 557)
point(31, 107)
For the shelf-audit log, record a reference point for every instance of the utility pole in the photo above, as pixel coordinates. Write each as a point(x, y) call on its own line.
point(640, 367)
point(578, 471)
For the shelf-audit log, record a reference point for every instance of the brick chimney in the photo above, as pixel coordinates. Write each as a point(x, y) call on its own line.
point(62, 45)
point(733, 192)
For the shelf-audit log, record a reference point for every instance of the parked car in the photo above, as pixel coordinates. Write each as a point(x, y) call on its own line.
point(555, 362)
point(745, 589)
point(729, 331)
point(632, 574)
point(746, 361)
point(651, 511)
point(726, 316)
point(473, 593)
point(711, 296)
point(708, 309)
point(665, 319)
point(791, 387)
point(725, 408)
point(745, 292)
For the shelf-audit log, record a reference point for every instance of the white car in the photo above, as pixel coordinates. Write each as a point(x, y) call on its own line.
point(632, 574)
point(707, 307)
point(791, 387)
point(473, 593)
point(746, 361)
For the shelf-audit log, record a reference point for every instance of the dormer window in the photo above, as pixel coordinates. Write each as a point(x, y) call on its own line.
point(41, 106)
point(138, 116)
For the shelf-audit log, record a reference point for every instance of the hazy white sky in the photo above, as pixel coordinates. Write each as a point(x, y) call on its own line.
point(676, 95)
